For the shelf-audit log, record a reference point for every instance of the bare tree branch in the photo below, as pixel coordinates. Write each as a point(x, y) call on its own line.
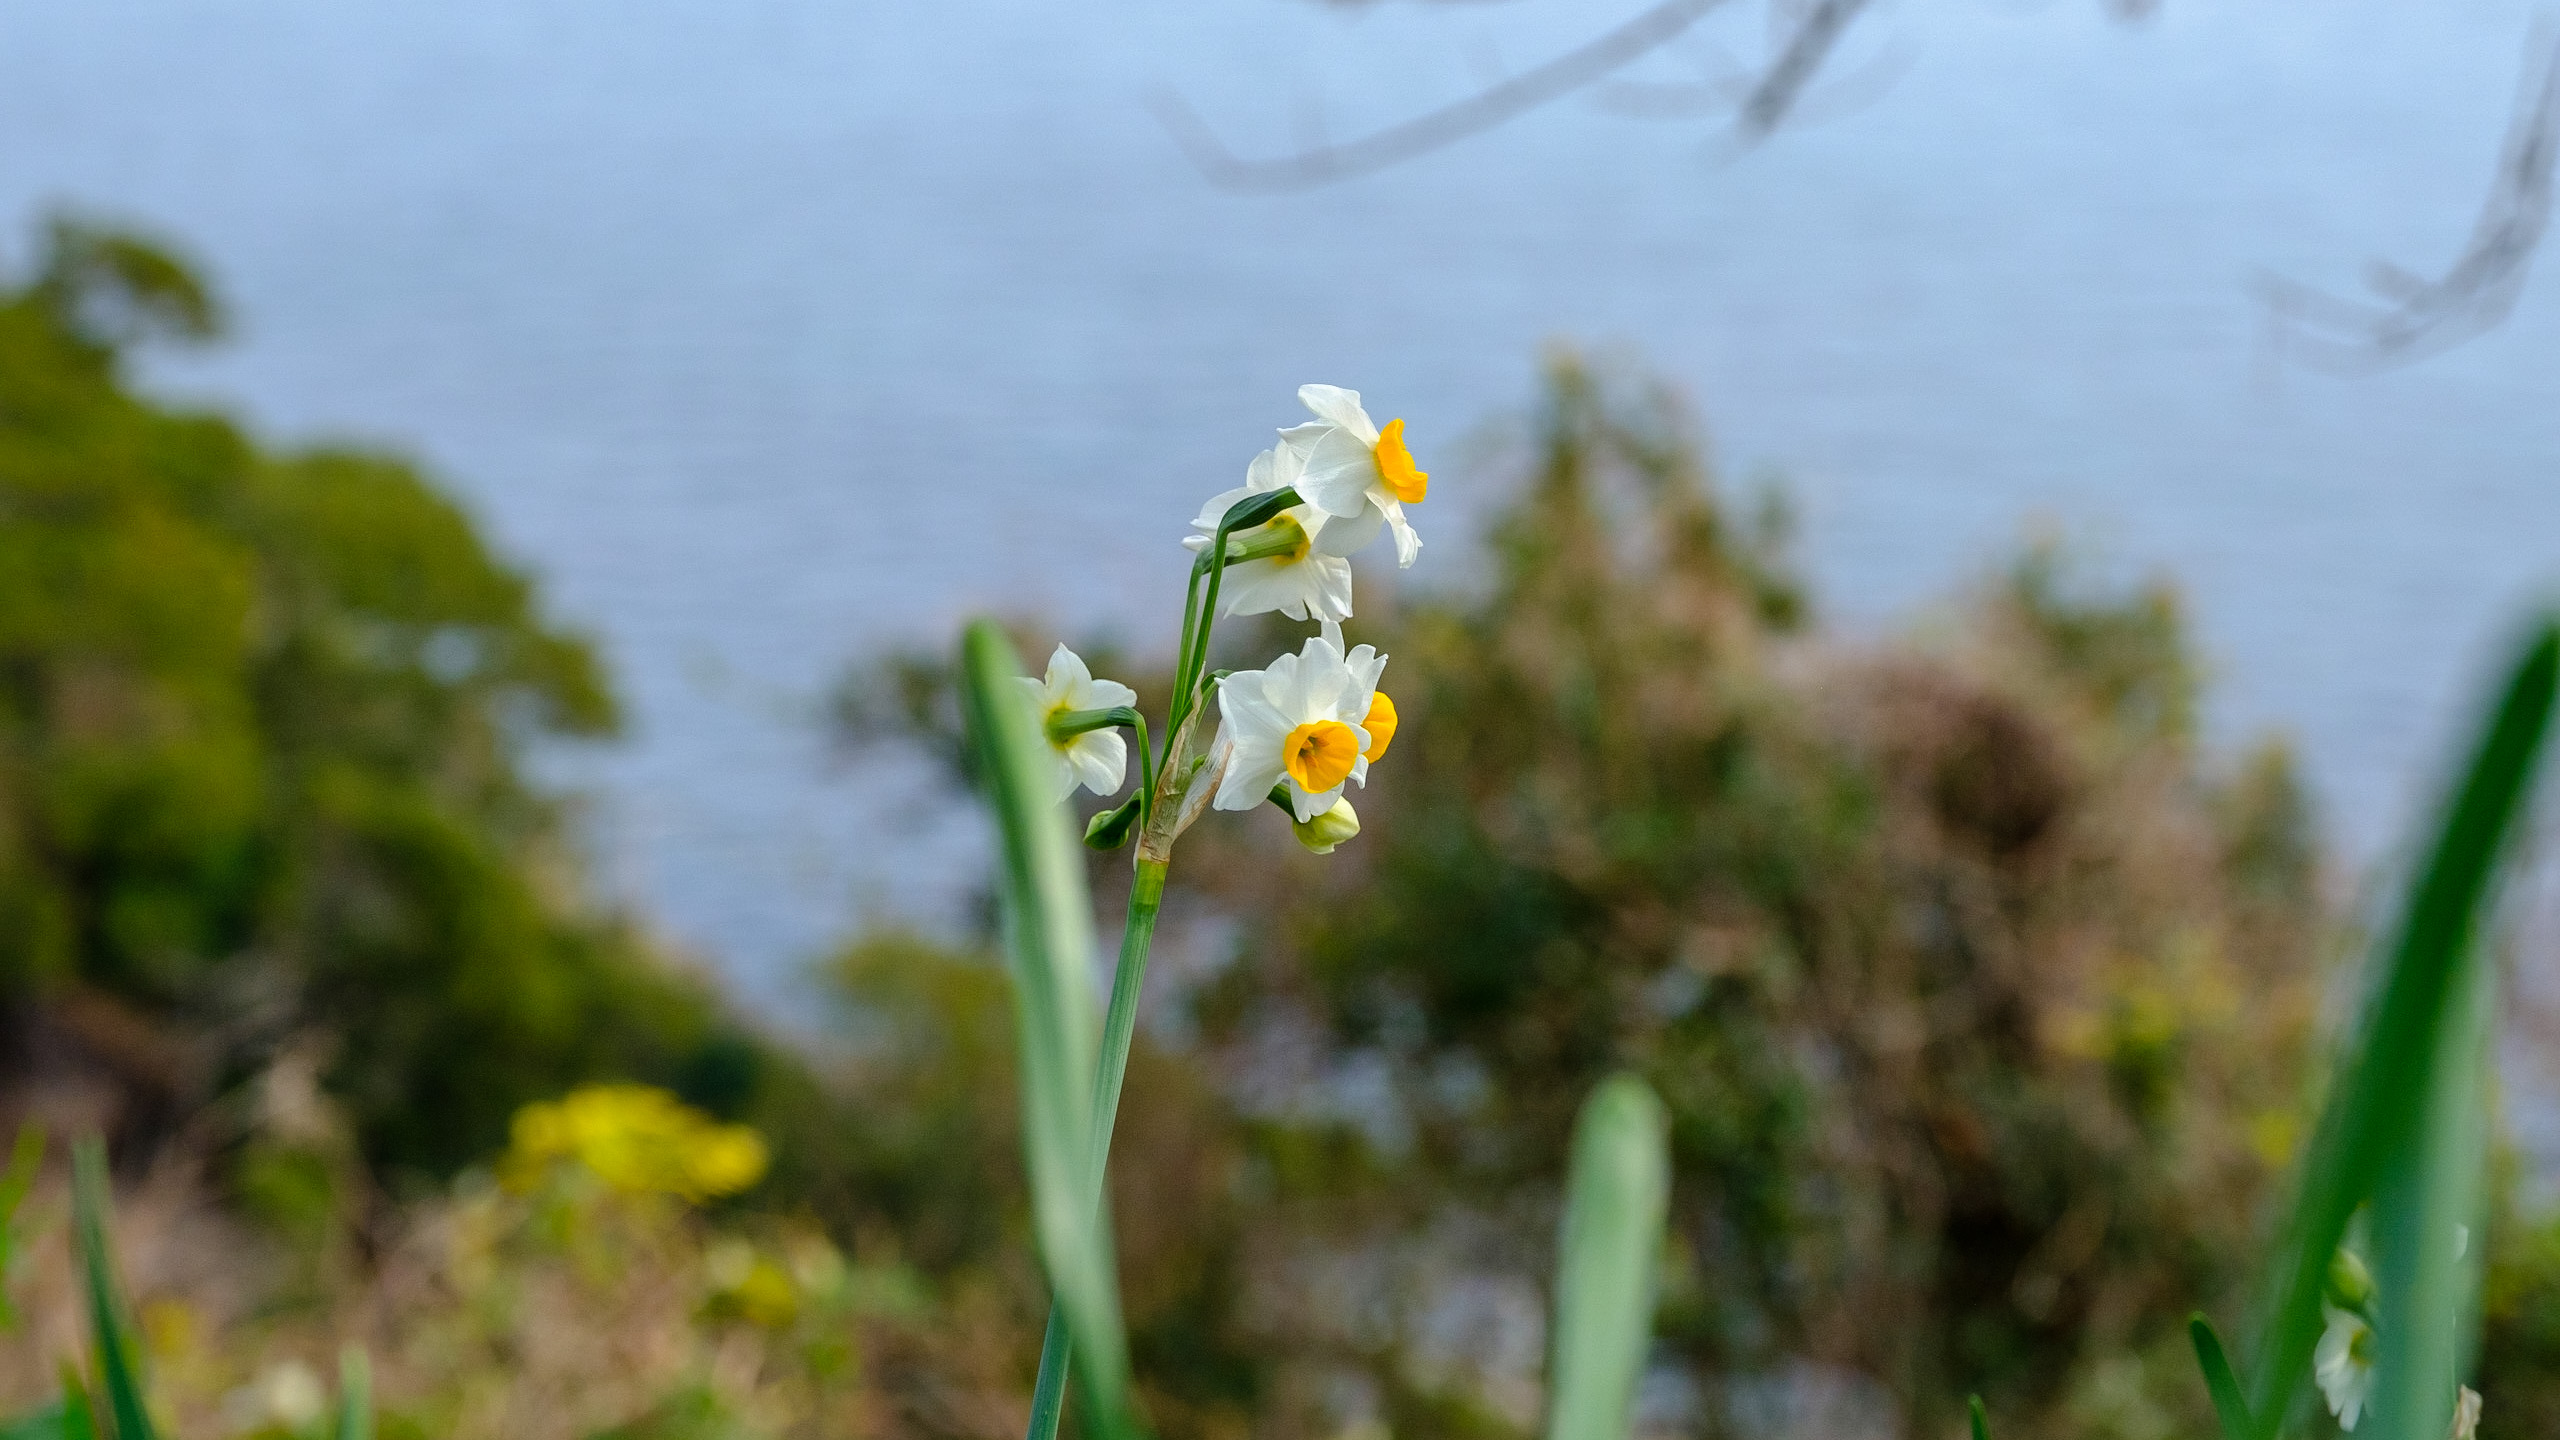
point(1486, 109)
point(1722, 83)
point(2408, 318)
point(1761, 99)
point(2414, 317)
point(1816, 34)
point(1761, 104)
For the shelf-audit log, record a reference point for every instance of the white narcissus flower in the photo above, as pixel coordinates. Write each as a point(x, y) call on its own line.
point(1302, 581)
point(1357, 472)
point(1096, 759)
point(1312, 721)
point(2343, 1364)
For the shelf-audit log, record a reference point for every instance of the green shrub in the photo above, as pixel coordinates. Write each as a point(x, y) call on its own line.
point(263, 720)
point(1978, 994)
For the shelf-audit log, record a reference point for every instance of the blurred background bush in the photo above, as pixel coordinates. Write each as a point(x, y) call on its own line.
point(1986, 1000)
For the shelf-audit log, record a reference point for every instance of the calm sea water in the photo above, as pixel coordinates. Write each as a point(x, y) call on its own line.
point(773, 332)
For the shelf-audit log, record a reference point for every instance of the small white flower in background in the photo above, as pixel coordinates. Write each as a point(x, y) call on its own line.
point(284, 1396)
point(2466, 1415)
point(1304, 721)
point(2343, 1364)
point(1303, 582)
point(1357, 472)
point(1097, 759)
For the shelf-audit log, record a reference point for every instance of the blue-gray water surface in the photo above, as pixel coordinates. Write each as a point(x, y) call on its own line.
point(772, 332)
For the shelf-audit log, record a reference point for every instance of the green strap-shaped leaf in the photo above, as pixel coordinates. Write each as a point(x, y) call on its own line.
point(2403, 1075)
point(2230, 1406)
point(1616, 1198)
point(2426, 1203)
point(1981, 1422)
point(130, 1419)
point(1048, 926)
point(355, 1394)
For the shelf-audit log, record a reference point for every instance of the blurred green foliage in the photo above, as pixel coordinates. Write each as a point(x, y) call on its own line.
point(263, 724)
point(1980, 997)
point(2520, 1315)
point(1971, 986)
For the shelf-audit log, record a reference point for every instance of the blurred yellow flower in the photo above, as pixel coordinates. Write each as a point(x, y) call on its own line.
point(750, 1286)
point(169, 1327)
point(2273, 1135)
point(637, 1139)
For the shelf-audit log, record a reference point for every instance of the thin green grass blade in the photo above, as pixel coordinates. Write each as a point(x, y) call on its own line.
point(2389, 1081)
point(2230, 1405)
point(79, 1417)
point(1048, 926)
point(108, 1332)
point(24, 1160)
point(1616, 1198)
point(1981, 1423)
point(355, 1394)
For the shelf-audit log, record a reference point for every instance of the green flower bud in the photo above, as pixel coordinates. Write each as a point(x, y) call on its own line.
point(1329, 829)
point(1110, 829)
point(2350, 1283)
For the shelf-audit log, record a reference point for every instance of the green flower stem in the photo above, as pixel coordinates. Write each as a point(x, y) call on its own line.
point(1049, 1392)
point(1245, 514)
point(1119, 1027)
point(1178, 706)
point(1146, 769)
point(1196, 624)
point(1208, 620)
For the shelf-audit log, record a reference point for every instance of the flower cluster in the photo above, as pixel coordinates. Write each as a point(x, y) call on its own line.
point(2342, 1363)
point(1296, 733)
point(638, 1140)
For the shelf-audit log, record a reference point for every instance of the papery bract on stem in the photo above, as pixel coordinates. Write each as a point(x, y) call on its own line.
point(2466, 1415)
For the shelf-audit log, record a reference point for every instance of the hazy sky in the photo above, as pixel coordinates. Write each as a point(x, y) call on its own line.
point(776, 331)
